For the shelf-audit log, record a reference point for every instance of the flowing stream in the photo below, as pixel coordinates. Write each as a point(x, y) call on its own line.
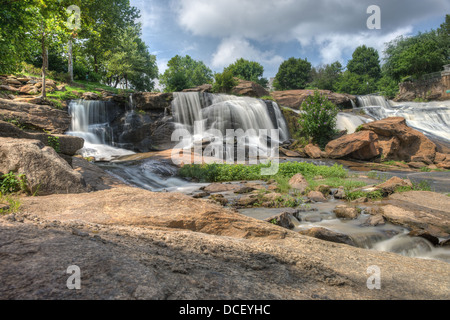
point(206, 116)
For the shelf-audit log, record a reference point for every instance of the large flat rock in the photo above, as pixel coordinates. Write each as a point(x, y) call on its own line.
point(135, 244)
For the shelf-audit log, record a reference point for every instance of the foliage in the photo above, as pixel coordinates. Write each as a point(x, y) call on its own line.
point(236, 172)
point(184, 73)
point(224, 82)
point(11, 183)
point(292, 74)
point(418, 55)
point(373, 195)
point(326, 77)
point(355, 84)
point(248, 70)
point(54, 143)
point(12, 203)
point(318, 121)
point(388, 87)
point(365, 61)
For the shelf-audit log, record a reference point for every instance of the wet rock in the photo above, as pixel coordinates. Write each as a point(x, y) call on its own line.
point(247, 201)
point(202, 88)
point(152, 101)
point(219, 198)
point(346, 212)
point(299, 183)
point(290, 153)
point(90, 96)
point(324, 189)
point(339, 193)
point(244, 190)
point(417, 165)
point(375, 220)
point(316, 196)
point(328, 235)
point(255, 185)
point(284, 219)
point(201, 195)
point(272, 197)
point(423, 234)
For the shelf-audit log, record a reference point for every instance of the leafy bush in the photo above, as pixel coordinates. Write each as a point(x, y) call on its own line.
point(237, 172)
point(11, 183)
point(318, 120)
point(224, 82)
point(54, 143)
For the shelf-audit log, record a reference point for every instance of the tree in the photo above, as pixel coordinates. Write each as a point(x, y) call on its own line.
point(131, 62)
point(325, 77)
point(418, 55)
point(248, 70)
point(292, 74)
point(355, 84)
point(365, 61)
point(184, 73)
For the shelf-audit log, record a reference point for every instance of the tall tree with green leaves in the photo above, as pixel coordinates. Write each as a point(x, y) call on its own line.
point(365, 61)
point(248, 70)
point(131, 62)
point(293, 74)
point(326, 77)
point(184, 73)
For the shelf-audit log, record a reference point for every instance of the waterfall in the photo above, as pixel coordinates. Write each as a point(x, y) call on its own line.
point(200, 113)
point(431, 118)
point(350, 121)
point(91, 121)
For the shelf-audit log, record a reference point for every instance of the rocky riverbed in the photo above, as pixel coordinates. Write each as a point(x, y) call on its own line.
point(131, 243)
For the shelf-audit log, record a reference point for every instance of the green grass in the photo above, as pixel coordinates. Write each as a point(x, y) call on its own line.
point(421, 186)
point(13, 203)
point(335, 182)
point(237, 172)
point(373, 195)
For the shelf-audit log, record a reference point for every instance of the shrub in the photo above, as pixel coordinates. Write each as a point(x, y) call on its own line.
point(54, 143)
point(318, 120)
point(224, 82)
point(11, 183)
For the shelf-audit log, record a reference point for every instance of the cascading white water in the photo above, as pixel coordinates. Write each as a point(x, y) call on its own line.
point(90, 122)
point(431, 118)
point(350, 121)
point(200, 113)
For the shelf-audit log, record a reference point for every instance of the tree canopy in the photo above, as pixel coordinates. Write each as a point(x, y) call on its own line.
point(248, 70)
point(293, 74)
point(184, 73)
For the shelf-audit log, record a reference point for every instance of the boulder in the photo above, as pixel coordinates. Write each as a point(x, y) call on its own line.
point(339, 193)
point(221, 187)
point(29, 89)
point(317, 196)
point(328, 235)
point(425, 235)
point(152, 101)
point(346, 212)
point(284, 219)
point(68, 145)
point(408, 145)
point(249, 89)
point(44, 169)
point(313, 151)
point(389, 186)
point(294, 98)
point(202, 88)
point(290, 153)
point(8, 88)
point(38, 117)
point(375, 220)
point(90, 96)
point(361, 145)
point(299, 183)
point(247, 201)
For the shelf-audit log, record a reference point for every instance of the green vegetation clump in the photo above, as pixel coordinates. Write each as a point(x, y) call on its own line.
point(224, 82)
point(238, 172)
point(54, 143)
point(319, 118)
point(12, 183)
point(373, 195)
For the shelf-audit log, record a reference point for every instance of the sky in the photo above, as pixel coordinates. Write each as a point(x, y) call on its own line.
point(218, 32)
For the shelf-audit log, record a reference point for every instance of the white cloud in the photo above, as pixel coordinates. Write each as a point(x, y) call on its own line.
point(233, 48)
point(333, 47)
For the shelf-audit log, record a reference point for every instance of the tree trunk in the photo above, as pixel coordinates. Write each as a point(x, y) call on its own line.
point(70, 61)
point(95, 64)
point(44, 62)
